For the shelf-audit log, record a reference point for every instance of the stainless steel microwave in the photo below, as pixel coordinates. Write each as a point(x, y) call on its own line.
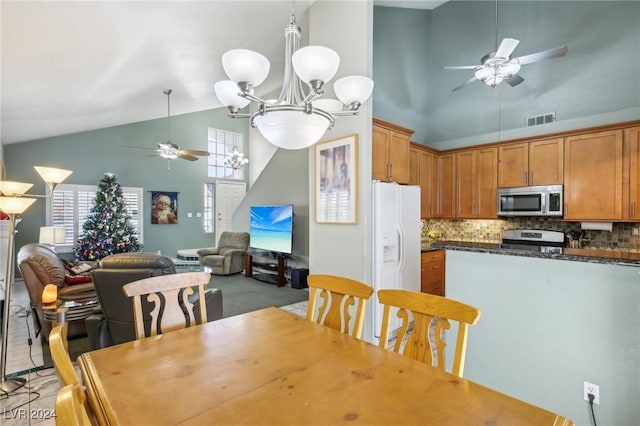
point(530, 201)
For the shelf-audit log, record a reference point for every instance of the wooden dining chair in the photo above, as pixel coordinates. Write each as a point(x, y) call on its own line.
point(169, 294)
point(431, 315)
point(338, 295)
point(70, 407)
point(60, 355)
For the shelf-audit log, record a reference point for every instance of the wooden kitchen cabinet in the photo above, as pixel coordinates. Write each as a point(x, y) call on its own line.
point(428, 184)
point(632, 139)
point(446, 186)
point(477, 183)
point(432, 276)
point(423, 172)
point(531, 163)
point(390, 152)
point(435, 174)
point(414, 165)
point(593, 176)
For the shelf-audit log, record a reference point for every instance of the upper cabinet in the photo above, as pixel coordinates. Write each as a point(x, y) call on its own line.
point(428, 184)
point(593, 176)
point(446, 186)
point(632, 140)
point(476, 183)
point(546, 161)
point(414, 165)
point(423, 172)
point(390, 152)
point(531, 163)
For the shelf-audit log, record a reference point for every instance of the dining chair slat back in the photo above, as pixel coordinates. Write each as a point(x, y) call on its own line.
point(60, 355)
point(339, 295)
point(430, 315)
point(70, 407)
point(169, 294)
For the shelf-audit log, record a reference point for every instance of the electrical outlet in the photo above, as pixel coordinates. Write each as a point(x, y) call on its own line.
point(590, 388)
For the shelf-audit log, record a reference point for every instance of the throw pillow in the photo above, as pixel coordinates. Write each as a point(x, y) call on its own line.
point(77, 279)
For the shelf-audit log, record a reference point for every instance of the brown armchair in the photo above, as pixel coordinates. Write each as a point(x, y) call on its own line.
point(39, 266)
point(228, 257)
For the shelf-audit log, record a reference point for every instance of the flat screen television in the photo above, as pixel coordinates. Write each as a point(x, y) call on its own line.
point(271, 228)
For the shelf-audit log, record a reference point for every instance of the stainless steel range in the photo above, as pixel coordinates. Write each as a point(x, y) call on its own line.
point(539, 240)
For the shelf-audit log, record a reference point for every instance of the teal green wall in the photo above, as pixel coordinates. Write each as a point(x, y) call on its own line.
point(547, 326)
point(595, 83)
point(91, 154)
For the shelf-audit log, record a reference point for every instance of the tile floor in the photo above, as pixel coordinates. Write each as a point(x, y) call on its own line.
point(34, 403)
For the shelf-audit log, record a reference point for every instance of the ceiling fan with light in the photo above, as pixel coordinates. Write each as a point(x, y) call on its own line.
point(498, 66)
point(169, 150)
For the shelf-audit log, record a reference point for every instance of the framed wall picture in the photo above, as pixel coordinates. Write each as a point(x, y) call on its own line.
point(164, 207)
point(336, 180)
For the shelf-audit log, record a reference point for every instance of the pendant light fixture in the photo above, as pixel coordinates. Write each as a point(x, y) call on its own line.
point(236, 159)
point(298, 118)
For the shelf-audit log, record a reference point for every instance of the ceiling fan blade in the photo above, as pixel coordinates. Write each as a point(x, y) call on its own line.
point(139, 147)
point(514, 80)
point(462, 67)
point(194, 152)
point(540, 56)
point(187, 157)
point(471, 80)
point(506, 48)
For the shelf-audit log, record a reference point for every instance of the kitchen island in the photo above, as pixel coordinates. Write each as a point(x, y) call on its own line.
point(549, 323)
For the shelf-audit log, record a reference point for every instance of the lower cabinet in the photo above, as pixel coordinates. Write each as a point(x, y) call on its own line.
point(432, 272)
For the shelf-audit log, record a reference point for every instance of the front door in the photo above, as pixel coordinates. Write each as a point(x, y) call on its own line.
point(228, 196)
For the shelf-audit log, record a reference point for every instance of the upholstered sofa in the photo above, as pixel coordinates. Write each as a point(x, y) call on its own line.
point(228, 257)
point(113, 322)
point(39, 266)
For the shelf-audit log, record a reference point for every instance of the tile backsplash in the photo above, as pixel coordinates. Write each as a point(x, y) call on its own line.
point(490, 231)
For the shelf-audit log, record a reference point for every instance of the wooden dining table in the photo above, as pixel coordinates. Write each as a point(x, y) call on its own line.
point(271, 367)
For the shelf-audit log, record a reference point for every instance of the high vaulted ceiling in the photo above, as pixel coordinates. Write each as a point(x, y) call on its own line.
point(83, 65)
point(75, 66)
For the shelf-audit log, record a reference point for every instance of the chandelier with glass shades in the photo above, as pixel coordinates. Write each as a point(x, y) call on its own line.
point(298, 118)
point(236, 159)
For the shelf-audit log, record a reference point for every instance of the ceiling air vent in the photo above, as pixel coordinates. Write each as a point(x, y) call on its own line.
point(536, 120)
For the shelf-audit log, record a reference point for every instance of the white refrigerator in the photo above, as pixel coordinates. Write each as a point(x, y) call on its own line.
point(396, 246)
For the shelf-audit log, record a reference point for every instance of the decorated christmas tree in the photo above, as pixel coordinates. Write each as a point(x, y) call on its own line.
point(108, 228)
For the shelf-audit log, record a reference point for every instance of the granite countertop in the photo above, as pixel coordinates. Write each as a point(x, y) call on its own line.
point(614, 257)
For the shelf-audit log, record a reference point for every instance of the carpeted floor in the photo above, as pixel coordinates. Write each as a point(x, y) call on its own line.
point(239, 295)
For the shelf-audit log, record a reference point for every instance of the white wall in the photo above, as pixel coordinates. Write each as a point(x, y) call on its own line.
point(344, 249)
point(547, 326)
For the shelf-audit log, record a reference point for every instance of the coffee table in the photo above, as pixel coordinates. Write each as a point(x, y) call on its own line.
point(68, 310)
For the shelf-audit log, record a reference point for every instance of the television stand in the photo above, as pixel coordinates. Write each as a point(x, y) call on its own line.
point(265, 269)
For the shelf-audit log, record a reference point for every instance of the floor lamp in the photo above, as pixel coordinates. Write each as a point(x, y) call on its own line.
point(14, 202)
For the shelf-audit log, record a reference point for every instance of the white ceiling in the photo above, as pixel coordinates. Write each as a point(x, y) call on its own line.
point(83, 65)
